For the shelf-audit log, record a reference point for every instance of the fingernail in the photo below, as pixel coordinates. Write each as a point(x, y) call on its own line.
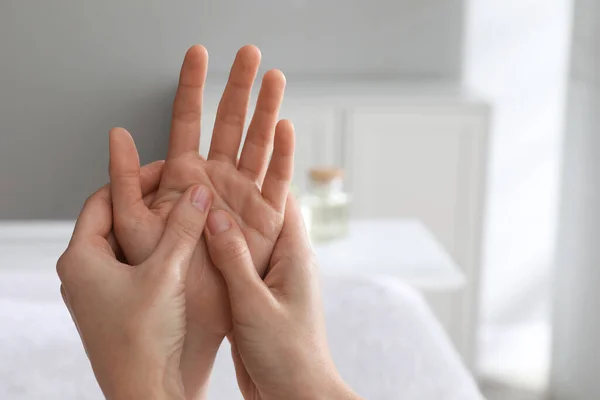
point(201, 198)
point(218, 222)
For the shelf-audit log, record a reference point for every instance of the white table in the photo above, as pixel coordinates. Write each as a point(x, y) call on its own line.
point(402, 249)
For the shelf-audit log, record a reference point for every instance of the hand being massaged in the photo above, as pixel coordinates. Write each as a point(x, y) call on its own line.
point(170, 258)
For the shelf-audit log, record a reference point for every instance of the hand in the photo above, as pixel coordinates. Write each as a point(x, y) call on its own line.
point(131, 319)
point(279, 343)
point(253, 195)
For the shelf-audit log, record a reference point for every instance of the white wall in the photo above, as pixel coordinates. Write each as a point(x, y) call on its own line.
point(577, 271)
point(517, 58)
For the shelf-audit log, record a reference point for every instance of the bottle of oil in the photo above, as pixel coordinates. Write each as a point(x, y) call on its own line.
point(326, 205)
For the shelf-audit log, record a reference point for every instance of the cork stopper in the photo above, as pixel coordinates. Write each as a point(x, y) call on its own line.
point(325, 174)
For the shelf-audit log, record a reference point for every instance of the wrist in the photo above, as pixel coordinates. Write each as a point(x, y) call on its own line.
point(148, 387)
point(164, 393)
point(149, 394)
point(144, 375)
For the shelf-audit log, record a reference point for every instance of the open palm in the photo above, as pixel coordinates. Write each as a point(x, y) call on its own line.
point(253, 190)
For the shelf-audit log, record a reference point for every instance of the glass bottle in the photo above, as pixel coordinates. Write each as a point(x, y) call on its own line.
point(326, 206)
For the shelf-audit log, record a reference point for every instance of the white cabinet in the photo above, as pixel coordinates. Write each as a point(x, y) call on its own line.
point(428, 162)
point(399, 162)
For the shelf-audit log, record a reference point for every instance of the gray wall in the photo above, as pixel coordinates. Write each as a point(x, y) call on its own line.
point(70, 70)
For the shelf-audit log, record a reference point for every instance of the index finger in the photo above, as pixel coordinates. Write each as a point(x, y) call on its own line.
point(95, 219)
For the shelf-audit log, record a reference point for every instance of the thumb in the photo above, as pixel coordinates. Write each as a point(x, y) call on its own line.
point(125, 174)
point(230, 254)
point(183, 230)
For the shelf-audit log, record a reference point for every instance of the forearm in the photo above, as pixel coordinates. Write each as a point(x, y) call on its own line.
point(148, 393)
point(197, 360)
point(145, 383)
point(339, 390)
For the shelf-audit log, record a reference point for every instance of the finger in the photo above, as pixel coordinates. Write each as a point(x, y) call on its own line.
point(231, 114)
point(125, 174)
point(281, 167)
point(259, 140)
point(183, 230)
point(298, 270)
point(294, 228)
point(229, 252)
point(146, 186)
point(150, 175)
point(245, 383)
point(187, 107)
point(95, 219)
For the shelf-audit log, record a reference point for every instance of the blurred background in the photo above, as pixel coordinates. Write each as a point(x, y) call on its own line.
point(473, 117)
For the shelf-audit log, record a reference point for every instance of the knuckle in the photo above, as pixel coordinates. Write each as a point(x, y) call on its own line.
point(234, 249)
point(129, 174)
point(186, 229)
point(101, 194)
point(187, 115)
point(231, 118)
point(65, 265)
point(62, 266)
point(134, 220)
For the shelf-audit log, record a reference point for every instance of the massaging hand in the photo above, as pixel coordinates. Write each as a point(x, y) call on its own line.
point(279, 344)
point(254, 195)
point(131, 318)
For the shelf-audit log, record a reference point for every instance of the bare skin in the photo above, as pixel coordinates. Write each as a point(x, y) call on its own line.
point(132, 318)
point(279, 342)
point(153, 297)
point(253, 191)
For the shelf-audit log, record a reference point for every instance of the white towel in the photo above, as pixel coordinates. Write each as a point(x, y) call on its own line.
point(384, 340)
